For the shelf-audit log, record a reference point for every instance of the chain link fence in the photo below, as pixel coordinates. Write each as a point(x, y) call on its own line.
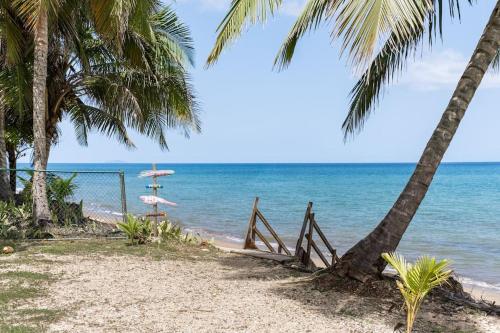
point(75, 197)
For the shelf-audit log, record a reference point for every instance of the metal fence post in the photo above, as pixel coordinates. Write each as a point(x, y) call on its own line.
point(123, 196)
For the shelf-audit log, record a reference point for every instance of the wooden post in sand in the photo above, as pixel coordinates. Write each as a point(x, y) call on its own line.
point(154, 200)
point(253, 231)
point(250, 238)
point(298, 247)
point(304, 255)
point(155, 206)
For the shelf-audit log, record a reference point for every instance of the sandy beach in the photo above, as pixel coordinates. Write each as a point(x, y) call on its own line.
point(478, 292)
point(202, 290)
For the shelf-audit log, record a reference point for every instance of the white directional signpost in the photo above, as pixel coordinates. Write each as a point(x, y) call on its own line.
point(154, 199)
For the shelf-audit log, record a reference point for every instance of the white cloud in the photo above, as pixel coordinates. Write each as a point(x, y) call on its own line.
point(442, 70)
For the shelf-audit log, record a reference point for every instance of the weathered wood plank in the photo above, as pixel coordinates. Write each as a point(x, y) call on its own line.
point(320, 254)
point(323, 238)
point(282, 258)
point(273, 233)
point(264, 240)
point(309, 240)
point(303, 230)
point(250, 237)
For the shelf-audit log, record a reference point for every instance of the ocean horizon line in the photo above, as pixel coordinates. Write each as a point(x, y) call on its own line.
point(269, 163)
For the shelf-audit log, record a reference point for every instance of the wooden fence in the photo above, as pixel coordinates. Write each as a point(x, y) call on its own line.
point(304, 255)
point(309, 228)
point(253, 231)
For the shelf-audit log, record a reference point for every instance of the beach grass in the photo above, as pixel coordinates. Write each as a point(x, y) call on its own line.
point(21, 287)
point(154, 251)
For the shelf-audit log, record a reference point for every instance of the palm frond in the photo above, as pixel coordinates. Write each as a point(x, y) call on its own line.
point(310, 18)
point(173, 36)
point(363, 25)
point(418, 279)
point(12, 40)
point(241, 13)
point(389, 63)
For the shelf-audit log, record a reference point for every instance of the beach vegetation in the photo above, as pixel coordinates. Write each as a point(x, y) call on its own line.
point(108, 67)
point(59, 191)
point(19, 141)
point(16, 221)
point(379, 37)
point(168, 231)
point(138, 231)
point(415, 281)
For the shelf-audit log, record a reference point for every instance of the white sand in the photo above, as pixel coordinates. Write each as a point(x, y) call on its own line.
point(224, 293)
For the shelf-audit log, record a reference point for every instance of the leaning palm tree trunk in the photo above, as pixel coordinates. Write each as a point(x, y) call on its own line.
point(40, 203)
point(364, 260)
point(5, 193)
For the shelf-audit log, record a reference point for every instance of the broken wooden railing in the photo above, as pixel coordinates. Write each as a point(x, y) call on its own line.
point(304, 255)
point(309, 228)
point(252, 232)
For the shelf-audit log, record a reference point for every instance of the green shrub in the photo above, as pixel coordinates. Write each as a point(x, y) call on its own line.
point(167, 231)
point(16, 222)
point(59, 190)
point(417, 280)
point(138, 231)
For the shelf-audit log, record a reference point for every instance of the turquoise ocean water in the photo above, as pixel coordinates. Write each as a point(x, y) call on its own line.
point(459, 218)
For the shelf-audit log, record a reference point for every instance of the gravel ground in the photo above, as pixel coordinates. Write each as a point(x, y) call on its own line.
point(221, 293)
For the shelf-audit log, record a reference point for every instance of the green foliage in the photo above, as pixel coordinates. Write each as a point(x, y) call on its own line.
point(417, 280)
point(27, 183)
point(112, 66)
point(167, 231)
point(378, 37)
point(59, 190)
point(138, 231)
point(16, 222)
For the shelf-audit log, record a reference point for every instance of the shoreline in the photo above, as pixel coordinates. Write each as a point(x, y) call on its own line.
point(478, 292)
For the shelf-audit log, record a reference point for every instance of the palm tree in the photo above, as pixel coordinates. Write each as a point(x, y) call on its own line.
point(363, 260)
point(416, 281)
point(135, 78)
point(5, 193)
point(96, 87)
point(36, 15)
point(10, 50)
point(363, 24)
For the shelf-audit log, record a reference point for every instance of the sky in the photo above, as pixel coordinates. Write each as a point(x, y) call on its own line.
point(253, 114)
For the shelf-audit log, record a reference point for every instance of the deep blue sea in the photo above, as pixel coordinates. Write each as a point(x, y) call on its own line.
point(459, 218)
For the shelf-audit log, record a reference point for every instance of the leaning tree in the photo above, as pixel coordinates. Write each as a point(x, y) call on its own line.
point(399, 27)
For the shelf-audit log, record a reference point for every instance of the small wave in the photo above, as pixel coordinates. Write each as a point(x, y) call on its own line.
point(481, 284)
point(234, 239)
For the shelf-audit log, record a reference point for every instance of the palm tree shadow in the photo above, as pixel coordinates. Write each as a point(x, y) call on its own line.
point(335, 303)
